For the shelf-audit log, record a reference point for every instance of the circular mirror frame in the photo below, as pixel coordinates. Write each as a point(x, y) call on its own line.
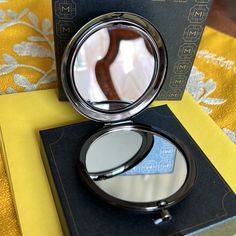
point(138, 206)
point(68, 60)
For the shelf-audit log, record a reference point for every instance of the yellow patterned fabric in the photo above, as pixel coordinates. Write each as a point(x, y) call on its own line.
point(27, 49)
point(27, 63)
point(8, 221)
point(212, 82)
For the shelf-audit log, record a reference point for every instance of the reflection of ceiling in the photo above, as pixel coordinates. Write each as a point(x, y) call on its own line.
point(131, 71)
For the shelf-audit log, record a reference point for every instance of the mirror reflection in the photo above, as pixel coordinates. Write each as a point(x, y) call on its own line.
point(108, 152)
point(159, 175)
point(114, 65)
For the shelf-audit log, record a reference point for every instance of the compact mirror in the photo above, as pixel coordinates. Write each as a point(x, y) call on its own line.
point(112, 69)
point(158, 178)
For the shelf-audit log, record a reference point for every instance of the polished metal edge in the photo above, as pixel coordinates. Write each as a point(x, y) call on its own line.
point(160, 57)
point(147, 144)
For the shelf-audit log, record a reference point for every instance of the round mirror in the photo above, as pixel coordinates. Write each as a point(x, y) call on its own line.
point(117, 64)
point(154, 179)
point(163, 173)
point(114, 67)
point(102, 162)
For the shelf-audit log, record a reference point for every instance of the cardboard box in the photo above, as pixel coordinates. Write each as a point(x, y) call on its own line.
point(83, 213)
point(180, 23)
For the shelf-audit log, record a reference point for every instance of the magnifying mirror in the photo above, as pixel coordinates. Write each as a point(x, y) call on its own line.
point(112, 69)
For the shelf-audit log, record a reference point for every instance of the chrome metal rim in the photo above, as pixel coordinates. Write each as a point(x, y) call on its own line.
point(160, 57)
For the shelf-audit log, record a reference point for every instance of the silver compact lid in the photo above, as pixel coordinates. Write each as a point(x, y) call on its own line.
point(114, 67)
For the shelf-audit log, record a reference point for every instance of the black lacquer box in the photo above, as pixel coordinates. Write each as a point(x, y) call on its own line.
point(82, 213)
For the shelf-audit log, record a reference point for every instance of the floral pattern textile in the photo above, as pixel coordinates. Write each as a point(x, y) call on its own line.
point(27, 59)
point(212, 82)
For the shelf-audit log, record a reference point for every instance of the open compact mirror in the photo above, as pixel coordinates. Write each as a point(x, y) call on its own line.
point(112, 69)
